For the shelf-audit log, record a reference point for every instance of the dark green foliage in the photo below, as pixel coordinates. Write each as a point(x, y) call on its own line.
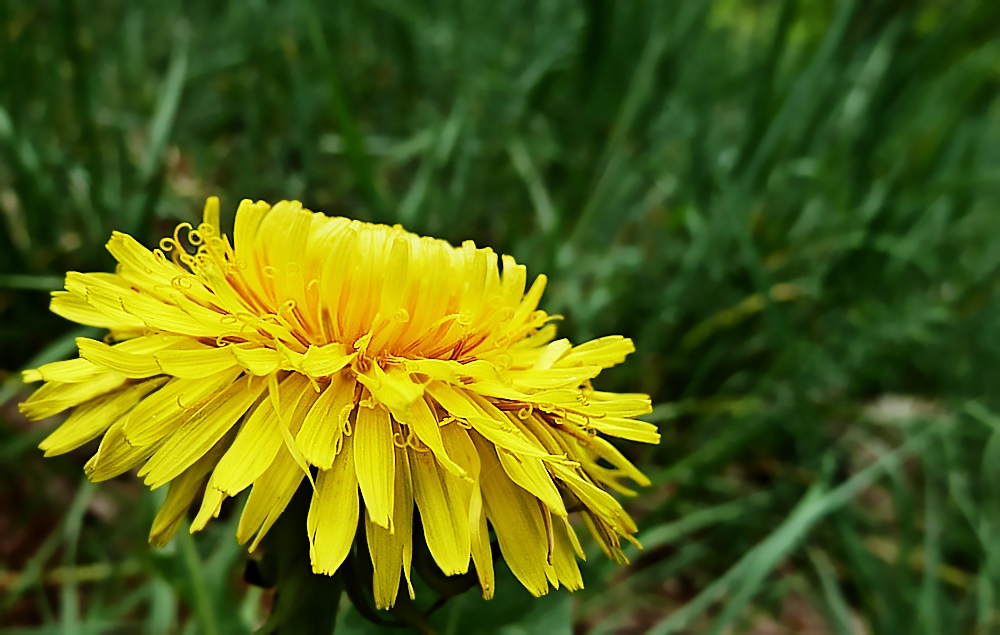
point(792, 206)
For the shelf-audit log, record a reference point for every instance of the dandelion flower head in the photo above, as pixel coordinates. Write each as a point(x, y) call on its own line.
point(395, 374)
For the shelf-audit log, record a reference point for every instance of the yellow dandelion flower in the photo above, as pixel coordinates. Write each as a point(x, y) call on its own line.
point(396, 373)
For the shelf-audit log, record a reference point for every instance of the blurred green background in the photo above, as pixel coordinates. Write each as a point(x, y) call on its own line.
point(792, 206)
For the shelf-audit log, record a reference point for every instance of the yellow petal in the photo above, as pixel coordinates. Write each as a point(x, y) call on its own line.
point(179, 316)
point(54, 397)
point(530, 301)
point(390, 550)
point(596, 500)
point(141, 266)
point(284, 239)
point(183, 490)
point(564, 557)
point(320, 434)
point(616, 405)
point(446, 370)
point(162, 412)
point(200, 432)
point(70, 371)
point(460, 446)
point(75, 308)
point(530, 473)
point(211, 506)
point(259, 361)
point(482, 556)
point(210, 217)
point(196, 363)
point(115, 455)
point(395, 289)
point(512, 282)
point(114, 297)
point(322, 361)
point(103, 292)
point(453, 372)
point(532, 380)
point(574, 541)
point(258, 441)
point(611, 454)
point(248, 218)
point(95, 417)
point(171, 514)
point(131, 358)
point(404, 489)
point(484, 418)
point(546, 356)
point(333, 514)
point(394, 389)
point(517, 521)
point(630, 429)
point(374, 460)
point(271, 493)
point(443, 512)
point(285, 424)
point(425, 425)
point(604, 352)
point(605, 536)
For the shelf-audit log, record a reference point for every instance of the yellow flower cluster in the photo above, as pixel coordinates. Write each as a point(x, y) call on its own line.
point(360, 357)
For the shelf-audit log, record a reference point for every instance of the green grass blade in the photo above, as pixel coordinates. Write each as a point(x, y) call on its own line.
point(164, 116)
point(199, 588)
point(837, 605)
point(31, 283)
point(69, 597)
point(166, 106)
point(354, 143)
point(163, 608)
point(745, 578)
point(930, 593)
point(436, 157)
point(545, 214)
point(691, 522)
point(32, 573)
